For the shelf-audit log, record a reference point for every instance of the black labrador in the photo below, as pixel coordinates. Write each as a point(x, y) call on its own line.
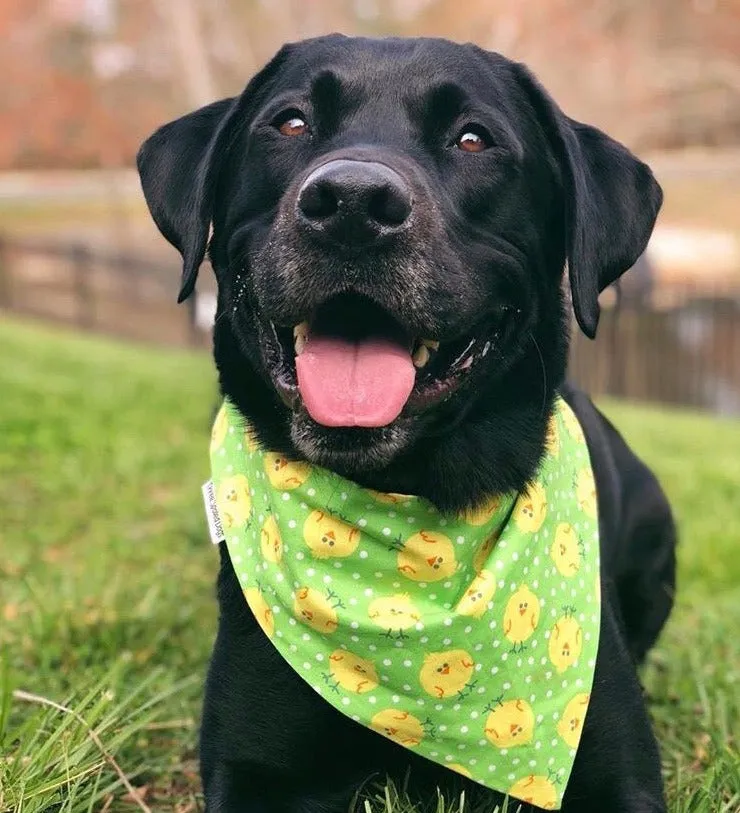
point(434, 189)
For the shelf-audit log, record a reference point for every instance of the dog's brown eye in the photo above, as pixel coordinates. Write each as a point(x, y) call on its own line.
point(292, 125)
point(472, 141)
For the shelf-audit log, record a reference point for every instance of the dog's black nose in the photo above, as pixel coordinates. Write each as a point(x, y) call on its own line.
point(354, 202)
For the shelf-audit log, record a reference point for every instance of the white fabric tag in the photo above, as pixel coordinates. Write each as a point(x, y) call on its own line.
point(215, 528)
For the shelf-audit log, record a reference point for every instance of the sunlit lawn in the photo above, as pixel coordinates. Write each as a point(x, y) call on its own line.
point(106, 598)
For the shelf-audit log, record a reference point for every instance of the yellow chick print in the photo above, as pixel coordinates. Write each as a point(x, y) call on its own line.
point(476, 598)
point(271, 543)
point(510, 724)
point(573, 425)
point(399, 726)
point(521, 616)
point(531, 508)
point(586, 492)
point(389, 498)
point(427, 556)
point(482, 513)
point(234, 501)
point(444, 674)
point(220, 427)
point(536, 790)
point(565, 550)
point(314, 610)
point(566, 642)
point(552, 438)
point(353, 673)
point(461, 769)
point(571, 723)
point(328, 536)
point(261, 610)
point(480, 557)
point(394, 613)
point(283, 473)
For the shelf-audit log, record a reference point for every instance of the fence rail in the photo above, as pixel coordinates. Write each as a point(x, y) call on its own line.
point(678, 344)
point(117, 293)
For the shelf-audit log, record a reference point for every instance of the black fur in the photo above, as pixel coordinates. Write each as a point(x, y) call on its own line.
point(485, 249)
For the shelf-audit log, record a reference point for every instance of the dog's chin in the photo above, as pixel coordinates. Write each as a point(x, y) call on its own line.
point(350, 451)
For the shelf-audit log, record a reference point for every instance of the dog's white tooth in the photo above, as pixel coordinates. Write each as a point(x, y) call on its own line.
point(421, 356)
point(432, 344)
point(300, 343)
point(301, 330)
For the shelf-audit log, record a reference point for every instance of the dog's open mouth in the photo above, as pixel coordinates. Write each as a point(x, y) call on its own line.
point(351, 363)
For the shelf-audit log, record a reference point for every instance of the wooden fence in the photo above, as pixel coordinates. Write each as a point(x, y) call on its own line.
point(680, 345)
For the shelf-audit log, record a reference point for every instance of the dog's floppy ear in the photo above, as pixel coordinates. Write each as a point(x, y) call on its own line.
point(612, 201)
point(178, 167)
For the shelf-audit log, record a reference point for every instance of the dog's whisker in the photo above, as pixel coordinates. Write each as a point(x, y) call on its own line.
point(544, 373)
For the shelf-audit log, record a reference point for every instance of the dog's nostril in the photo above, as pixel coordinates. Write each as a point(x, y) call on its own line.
point(389, 205)
point(319, 200)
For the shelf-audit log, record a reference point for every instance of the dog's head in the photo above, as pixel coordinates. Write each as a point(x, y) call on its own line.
point(390, 223)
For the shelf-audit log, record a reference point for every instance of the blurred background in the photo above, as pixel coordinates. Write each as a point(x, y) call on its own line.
point(85, 81)
point(107, 612)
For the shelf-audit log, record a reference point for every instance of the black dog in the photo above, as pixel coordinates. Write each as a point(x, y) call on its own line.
point(421, 188)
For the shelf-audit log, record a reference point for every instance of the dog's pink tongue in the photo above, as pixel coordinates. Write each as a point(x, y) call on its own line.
point(346, 383)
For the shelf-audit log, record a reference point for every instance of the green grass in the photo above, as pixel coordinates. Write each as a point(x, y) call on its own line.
point(106, 597)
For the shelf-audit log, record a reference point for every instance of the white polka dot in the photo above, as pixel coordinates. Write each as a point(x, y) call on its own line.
point(418, 626)
point(362, 522)
point(407, 663)
point(363, 554)
point(460, 540)
point(424, 639)
point(345, 701)
point(473, 715)
point(311, 492)
point(368, 591)
point(372, 647)
point(327, 579)
point(299, 555)
point(285, 495)
point(386, 531)
point(291, 523)
point(395, 698)
point(306, 665)
point(319, 657)
point(311, 571)
point(410, 520)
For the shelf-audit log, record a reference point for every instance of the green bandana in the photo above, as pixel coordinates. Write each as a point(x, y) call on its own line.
point(469, 639)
